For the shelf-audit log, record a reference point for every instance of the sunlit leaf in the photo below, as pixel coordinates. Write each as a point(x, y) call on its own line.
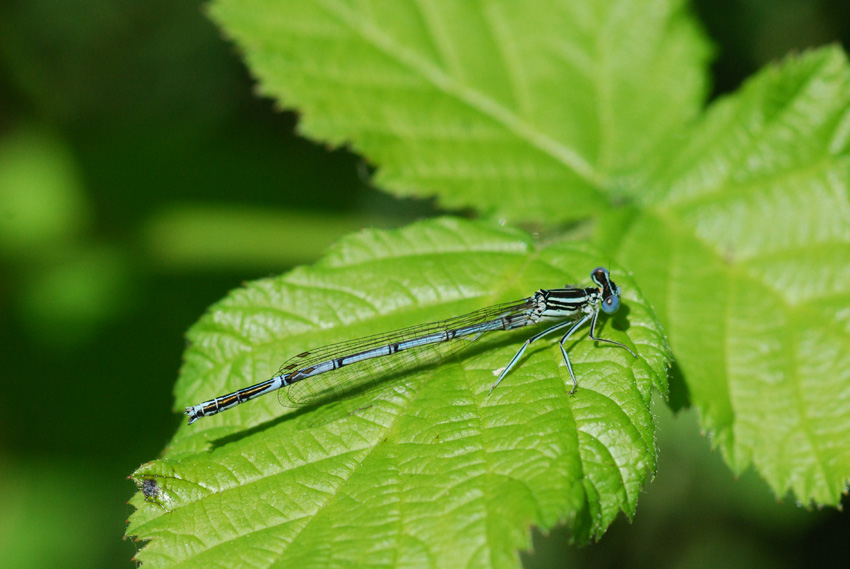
point(430, 470)
point(744, 244)
point(531, 111)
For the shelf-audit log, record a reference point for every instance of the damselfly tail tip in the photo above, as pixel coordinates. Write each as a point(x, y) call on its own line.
point(190, 412)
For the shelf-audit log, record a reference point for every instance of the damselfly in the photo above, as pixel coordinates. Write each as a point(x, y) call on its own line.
point(347, 363)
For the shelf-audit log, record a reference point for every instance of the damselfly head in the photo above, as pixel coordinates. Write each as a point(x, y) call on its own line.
point(610, 291)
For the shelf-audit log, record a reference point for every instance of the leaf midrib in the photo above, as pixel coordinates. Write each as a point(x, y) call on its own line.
point(473, 98)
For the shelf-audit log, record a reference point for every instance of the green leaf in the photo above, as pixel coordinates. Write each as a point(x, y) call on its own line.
point(744, 245)
point(534, 111)
point(429, 470)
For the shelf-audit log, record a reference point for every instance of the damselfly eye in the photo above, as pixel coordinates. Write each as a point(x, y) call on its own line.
point(610, 304)
point(600, 276)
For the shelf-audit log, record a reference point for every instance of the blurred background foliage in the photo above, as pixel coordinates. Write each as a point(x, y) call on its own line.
point(141, 179)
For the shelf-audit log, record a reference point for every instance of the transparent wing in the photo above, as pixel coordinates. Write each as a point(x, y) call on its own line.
point(368, 374)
